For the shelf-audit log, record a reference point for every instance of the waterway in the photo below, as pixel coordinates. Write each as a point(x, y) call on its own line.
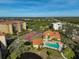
point(29, 55)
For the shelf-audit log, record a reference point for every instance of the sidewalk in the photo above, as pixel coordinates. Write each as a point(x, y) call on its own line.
point(63, 55)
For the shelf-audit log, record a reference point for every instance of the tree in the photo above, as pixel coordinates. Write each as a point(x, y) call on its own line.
point(48, 53)
point(69, 53)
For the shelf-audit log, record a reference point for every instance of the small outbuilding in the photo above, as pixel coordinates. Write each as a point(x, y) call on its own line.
point(37, 43)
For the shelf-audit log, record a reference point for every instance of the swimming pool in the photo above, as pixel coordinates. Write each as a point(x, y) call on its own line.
point(52, 45)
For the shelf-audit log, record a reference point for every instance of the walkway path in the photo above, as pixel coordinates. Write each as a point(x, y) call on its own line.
point(63, 55)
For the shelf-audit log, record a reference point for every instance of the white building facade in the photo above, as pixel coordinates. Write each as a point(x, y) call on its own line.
point(3, 40)
point(57, 26)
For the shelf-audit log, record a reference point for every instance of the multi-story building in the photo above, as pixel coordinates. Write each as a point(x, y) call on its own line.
point(3, 46)
point(57, 25)
point(3, 39)
point(0, 51)
point(11, 26)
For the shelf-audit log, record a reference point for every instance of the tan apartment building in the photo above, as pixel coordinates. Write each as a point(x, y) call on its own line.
point(3, 39)
point(11, 26)
point(3, 46)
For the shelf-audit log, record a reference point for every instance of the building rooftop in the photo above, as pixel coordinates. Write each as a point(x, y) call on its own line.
point(32, 35)
point(52, 34)
point(10, 21)
point(37, 41)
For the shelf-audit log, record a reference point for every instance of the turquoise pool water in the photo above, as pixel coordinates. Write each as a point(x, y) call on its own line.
point(55, 45)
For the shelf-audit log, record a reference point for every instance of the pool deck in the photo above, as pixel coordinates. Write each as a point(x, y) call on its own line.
point(49, 47)
point(45, 45)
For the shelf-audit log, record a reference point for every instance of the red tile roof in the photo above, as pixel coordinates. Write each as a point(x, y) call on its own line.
point(52, 34)
point(48, 33)
point(37, 41)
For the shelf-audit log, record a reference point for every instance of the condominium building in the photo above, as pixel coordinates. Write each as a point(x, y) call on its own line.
point(11, 26)
point(3, 46)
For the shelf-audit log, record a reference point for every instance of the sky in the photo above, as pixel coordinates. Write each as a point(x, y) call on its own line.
point(38, 8)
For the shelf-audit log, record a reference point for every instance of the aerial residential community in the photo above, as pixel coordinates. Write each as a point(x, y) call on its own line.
point(44, 39)
point(39, 29)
